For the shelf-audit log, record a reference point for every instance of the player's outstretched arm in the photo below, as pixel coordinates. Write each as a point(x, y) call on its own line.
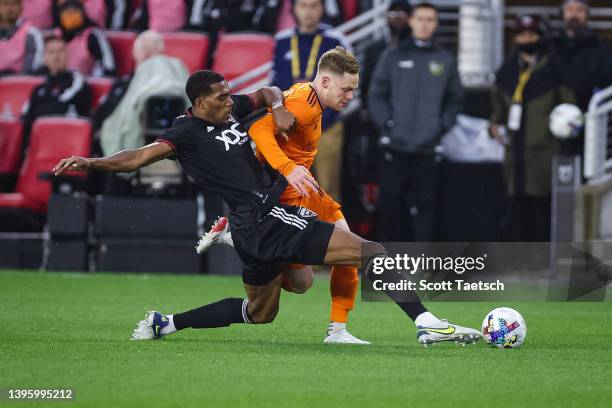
point(272, 97)
point(121, 162)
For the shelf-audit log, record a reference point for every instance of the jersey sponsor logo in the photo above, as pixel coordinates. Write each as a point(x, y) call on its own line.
point(209, 128)
point(306, 213)
point(232, 136)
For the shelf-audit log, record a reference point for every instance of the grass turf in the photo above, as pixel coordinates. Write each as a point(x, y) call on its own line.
point(71, 331)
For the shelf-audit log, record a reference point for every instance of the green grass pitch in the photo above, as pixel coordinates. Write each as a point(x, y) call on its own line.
point(71, 331)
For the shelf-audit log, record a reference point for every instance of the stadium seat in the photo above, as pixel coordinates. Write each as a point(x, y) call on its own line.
point(239, 53)
point(350, 8)
point(15, 91)
point(191, 48)
point(100, 87)
point(10, 145)
point(53, 138)
point(122, 43)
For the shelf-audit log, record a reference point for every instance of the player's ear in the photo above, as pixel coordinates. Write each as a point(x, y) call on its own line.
point(325, 81)
point(200, 102)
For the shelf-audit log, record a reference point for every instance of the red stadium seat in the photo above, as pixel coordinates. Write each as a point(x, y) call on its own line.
point(350, 8)
point(15, 91)
point(191, 48)
point(239, 53)
point(10, 145)
point(53, 138)
point(122, 43)
point(100, 87)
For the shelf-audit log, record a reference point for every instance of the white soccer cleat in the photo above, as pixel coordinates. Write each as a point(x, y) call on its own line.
point(144, 330)
point(343, 337)
point(445, 331)
point(218, 234)
point(150, 327)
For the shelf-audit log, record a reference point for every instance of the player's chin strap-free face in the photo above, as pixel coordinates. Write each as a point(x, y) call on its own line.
point(216, 106)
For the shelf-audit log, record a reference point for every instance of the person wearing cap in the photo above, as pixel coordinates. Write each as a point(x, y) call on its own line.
point(586, 60)
point(414, 98)
point(528, 86)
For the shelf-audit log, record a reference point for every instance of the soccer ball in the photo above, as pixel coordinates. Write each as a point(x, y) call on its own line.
point(504, 328)
point(564, 120)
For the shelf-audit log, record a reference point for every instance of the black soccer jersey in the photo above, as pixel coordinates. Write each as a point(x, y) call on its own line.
point(220, 158)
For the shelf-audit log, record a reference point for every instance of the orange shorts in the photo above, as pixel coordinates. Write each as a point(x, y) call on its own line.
point(324, 206)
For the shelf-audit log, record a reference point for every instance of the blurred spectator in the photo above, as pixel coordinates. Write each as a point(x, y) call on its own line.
point(414, 98)
point(39, 13)
point(21, 44)
point(111, 14)
point(295, 60)
point(586, 60)
point(89, 50)
point(165, 15)
point(155, 74)
point(63, 92)
point(398, 18)
point(527, 88)
point(147, 45)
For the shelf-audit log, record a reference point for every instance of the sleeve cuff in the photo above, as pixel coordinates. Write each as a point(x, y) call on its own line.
point(169, 143)
point(286, 169)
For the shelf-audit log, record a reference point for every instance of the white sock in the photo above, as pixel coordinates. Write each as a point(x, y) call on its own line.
point(426, 319)
point(169, 329)
point(335, 327)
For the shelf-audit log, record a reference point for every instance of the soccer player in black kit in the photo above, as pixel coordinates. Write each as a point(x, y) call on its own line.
point(214, 149)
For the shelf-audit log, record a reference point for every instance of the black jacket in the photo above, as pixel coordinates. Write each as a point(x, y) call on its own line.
point(58, 95)
point(415, 95)
point(586, 62)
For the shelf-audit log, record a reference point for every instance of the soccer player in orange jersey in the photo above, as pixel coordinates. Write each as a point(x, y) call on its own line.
point(292, 155)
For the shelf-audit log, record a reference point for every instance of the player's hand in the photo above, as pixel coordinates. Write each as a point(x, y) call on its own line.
point(301, 179)
point(73, 163)
point(284, 121)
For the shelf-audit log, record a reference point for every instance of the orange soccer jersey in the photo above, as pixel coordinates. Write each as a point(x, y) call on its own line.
point(298, 148)
point(284, 153)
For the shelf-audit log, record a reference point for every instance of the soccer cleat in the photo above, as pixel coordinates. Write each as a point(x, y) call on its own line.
point(150, 327)
point(343, 337)
point(218, 234)
point(445, 331)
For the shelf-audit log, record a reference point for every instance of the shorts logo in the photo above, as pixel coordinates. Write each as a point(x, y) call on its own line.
point(306, 213)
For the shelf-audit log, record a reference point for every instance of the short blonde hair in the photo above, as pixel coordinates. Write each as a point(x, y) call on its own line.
point(339, 61)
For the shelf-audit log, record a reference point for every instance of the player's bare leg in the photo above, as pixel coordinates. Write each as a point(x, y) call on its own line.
point(297, 278)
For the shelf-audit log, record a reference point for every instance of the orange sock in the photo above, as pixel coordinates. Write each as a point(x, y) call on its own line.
point(343, 288)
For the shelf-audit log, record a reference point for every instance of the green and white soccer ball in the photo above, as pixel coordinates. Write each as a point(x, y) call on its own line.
point(504, 327)
point(565, 121)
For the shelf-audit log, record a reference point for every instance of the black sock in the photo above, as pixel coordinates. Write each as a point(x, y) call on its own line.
point(409, 302)
point(218, 314)
point(412, 309)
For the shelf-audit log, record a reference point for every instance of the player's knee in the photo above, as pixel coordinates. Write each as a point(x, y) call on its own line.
point(302, 284)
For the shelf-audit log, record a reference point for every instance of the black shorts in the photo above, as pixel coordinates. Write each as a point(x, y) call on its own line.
point(286, 234)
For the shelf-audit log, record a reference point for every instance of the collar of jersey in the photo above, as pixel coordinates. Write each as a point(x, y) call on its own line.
point(318, 100)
